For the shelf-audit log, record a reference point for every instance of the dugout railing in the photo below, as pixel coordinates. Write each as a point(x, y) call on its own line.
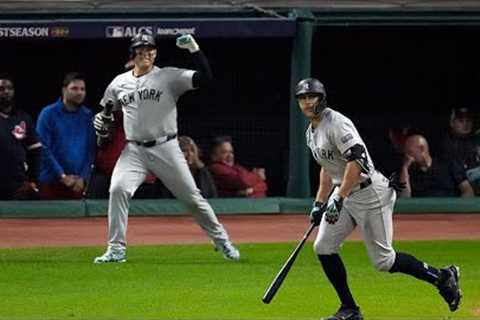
point(227, 206)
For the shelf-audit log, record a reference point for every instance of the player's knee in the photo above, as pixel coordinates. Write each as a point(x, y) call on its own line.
point(118, 189)
point(323, 248)
point(191, 198)
point(194, 201)
point(384, 263)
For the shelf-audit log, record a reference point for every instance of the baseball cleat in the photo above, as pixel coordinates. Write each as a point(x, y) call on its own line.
point(345, 313)
point(111, 256)
point(449, 287)
point(229, 251)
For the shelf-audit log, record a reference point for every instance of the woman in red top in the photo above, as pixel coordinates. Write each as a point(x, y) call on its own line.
point(234, 180)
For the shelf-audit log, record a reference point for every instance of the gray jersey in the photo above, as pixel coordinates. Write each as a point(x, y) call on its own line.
point(149, 102)
point(329, 141)
point(369, 207)
point(150, 112)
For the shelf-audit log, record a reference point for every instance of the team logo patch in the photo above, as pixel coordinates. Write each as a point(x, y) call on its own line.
point(20, 131)
point(346, 138)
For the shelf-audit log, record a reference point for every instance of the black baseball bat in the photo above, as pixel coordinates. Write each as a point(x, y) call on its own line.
point(282, 274)
point(89, 180)
point(107, 114)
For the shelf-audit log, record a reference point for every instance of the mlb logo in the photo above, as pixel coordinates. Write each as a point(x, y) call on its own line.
point(114, 32)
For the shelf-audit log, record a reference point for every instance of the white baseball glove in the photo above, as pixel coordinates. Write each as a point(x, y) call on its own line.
point(101, 123)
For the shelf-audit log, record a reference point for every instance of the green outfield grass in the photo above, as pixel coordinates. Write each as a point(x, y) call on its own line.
point(195, 283)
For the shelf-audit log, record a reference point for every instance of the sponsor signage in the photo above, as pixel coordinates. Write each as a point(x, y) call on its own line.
point(127, 31)
point(169, 28)
point(24, 32)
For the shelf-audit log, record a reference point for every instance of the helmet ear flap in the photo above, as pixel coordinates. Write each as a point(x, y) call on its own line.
point(322, 104)
point(313, 86)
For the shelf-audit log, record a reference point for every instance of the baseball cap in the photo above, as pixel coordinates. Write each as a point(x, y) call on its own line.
point(461, 113)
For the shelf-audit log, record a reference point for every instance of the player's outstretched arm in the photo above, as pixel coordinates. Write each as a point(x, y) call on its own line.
point(203, 75)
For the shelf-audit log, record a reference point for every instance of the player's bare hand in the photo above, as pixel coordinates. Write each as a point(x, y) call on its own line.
point(334, 207)
point(186, 41)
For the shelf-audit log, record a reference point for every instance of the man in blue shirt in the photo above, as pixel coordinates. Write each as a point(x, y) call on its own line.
point(66, 131)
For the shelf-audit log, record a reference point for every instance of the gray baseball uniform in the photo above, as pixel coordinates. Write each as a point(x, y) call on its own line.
point(369, 205)
point(334, 142)
point(150, 113)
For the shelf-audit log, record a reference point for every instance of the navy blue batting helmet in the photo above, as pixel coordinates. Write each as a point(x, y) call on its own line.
point(142, 39)
point(312, 86)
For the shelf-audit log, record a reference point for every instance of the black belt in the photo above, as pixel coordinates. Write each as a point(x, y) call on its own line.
point(365, 183)
point(151, 143)
point(361, 185)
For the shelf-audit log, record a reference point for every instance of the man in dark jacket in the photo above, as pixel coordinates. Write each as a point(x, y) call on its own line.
point(20, 148)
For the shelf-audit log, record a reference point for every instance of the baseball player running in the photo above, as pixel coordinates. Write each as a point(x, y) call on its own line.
point(148, 96)
point(361, 197)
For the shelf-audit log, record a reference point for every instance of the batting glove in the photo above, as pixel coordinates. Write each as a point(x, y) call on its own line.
point(334, 206)
point(187, 41)
point(317, 212)
point(101, 124)
point(395, 183)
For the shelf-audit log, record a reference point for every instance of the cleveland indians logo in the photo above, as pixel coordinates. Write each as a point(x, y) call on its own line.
point(20, 130)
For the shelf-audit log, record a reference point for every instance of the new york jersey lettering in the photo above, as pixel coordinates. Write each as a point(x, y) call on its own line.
point(327, 154)
point(141, 95)
point(127, 98)
point(150, 94)
point(323, 154)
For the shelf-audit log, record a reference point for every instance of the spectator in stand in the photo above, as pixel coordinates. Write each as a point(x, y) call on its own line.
point(19, 149)
point(461, 142)
point(66, 131)
point(202, 176)
point(387, 148)
point(231, 179)
point(425, 176)
point(472, 169)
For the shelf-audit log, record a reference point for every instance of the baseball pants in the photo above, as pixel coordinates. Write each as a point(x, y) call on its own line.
point(168, 163)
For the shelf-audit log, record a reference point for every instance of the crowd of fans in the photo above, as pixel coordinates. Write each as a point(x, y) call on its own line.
point(453, 171)
point(59, 158)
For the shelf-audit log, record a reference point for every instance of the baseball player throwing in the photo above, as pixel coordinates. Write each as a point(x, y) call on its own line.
point(361, 197)
point(148, 96)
